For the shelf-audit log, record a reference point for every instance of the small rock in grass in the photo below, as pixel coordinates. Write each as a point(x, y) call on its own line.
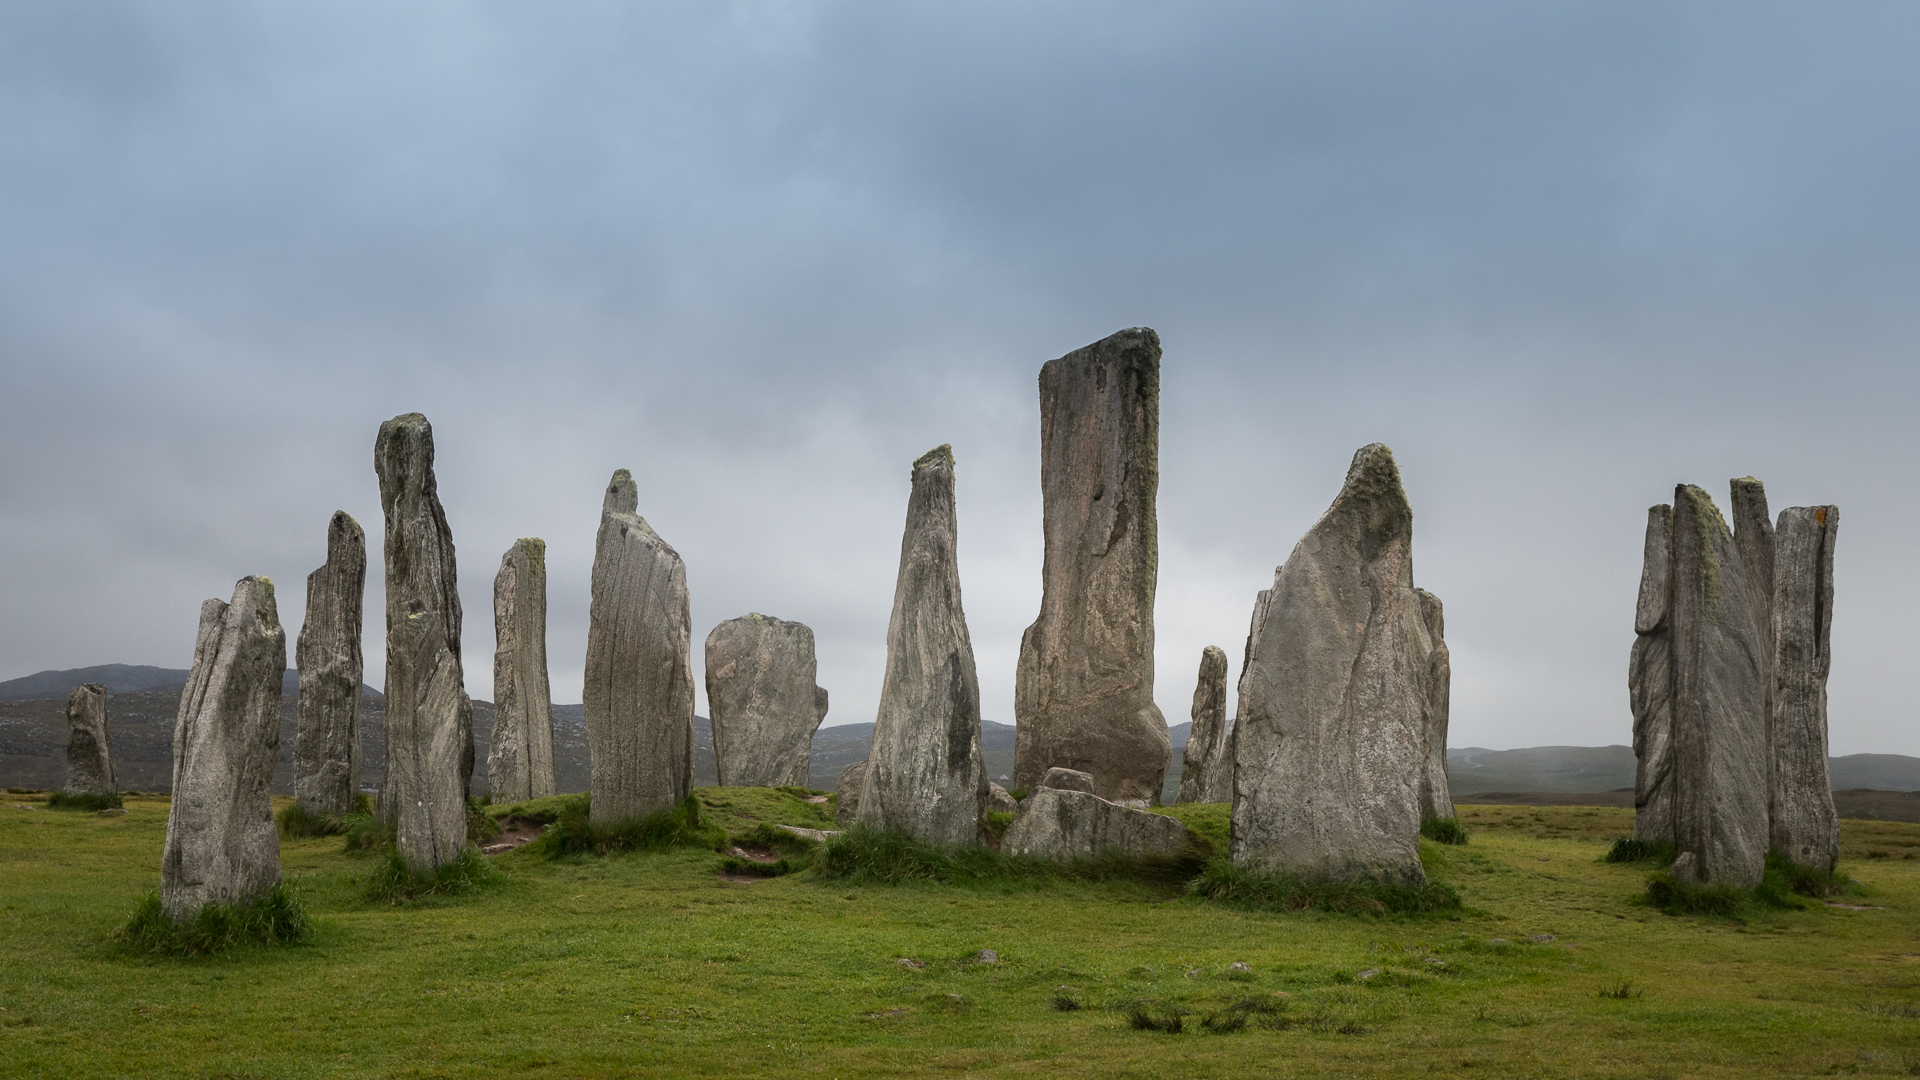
point(1542, 937)
point(1436, 961)
point(113, 812)
point(910, 962)
point(1239, 965)
point(986, 956)
point(1367, 974)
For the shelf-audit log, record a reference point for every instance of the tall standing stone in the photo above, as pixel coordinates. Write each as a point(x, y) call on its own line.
point(1650, 684)
point(1331, 742)
point(1753, 538)
point(221, 843)
point(765, 706)
point(424, 743)
point(1804, 825)
point(1436, 799)
point(326, 743)
point(89, 746)
point(639, 686)
point(520, 754)
point(1207, 739)
point(1083, 693)
point(925, 774)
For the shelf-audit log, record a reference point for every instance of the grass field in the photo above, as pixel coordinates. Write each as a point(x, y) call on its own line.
point(650, 965)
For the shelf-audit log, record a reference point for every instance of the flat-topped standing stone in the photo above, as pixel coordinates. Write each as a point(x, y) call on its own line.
point(1804, 825)
point(853, 778)
point(1083, 693)
point(326, 742)
point(1206, 740)
point(1063, 825)
point(89, 747)
point(420, 577)
point(1331, 742)
point(1719, 704)
point(520, 754)
point(765, 705)
point(222, 846)
point(925, 775)
point(1650, 684)
point(639, 688)
point(1436, 800)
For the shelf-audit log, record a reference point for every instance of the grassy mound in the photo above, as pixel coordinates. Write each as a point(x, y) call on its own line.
point(863, 856)
point(1238, 886)
point(394, 882)
point(1782, 883)
point(273, 919)
point(84, 800)
point(574, 833)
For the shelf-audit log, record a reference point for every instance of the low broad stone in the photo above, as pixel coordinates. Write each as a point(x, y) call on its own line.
point(847, 807)
point(326, 742)
point(520, 753)
point(1650, 684)
point(1207, 739)
point(1436, 799)
point(1064, 825)
point(89, 746)
point(1067, 780)
point(1804, 825)
point(765, 706)
point(1000, 801)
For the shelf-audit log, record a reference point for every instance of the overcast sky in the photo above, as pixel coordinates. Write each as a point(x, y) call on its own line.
point(1559, 256)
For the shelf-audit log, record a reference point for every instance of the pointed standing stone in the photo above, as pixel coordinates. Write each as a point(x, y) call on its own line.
point(925, 775)
point(1220, 784)
point(1650, 684)
point(326, 744)
point(1207, 739)
point(1436, 799)
point(639, 686)
point(520, 754)
point(1083, 695)
point(765, 706)
point(89, 747)
point(1331, 743)
point(1804, 825)
point(222, 846)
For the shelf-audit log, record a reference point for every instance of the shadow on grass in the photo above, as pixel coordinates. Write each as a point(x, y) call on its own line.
point(84, 800)
point(275, 918)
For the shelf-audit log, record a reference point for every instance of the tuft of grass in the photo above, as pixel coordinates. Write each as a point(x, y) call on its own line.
point(295, 821)
point(1625, 991)
point(995, 825)
point(84, 800)
point(1626, 849)
point(1234, 1017)
point(1676, 897)
point(1444, 830)
point(574, 833)
point(1807, 880)
point(1238, 886)
point(866, 856)
point(481, 825)
point(364, 833)
point(394, 882)
point(1139, 1018)
point(1779, 884)
point(1063, 1003)
point(274, 918)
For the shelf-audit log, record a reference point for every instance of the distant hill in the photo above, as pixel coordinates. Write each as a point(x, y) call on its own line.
point(119, 679)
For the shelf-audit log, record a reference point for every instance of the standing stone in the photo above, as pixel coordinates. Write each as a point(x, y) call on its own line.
point(1719, 703)
point(639, 689)
point(1207, 739)
point(222, 846)
point(1753, 538)
point(1436, 799)
point(853, 779)
point(1650, 684)
point(1220, 784)
point(765, 705)
point(520, 754)
point(1804, 825)
point(1331, 743)
point(326, 743)
point(424, 743)
point(1083, 693)
point(925, 774)
point(89, 746)
point(420, 576)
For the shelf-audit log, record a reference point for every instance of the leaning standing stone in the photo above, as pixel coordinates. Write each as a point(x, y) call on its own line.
point(326, 744)
point(1650, 685)
point(520, 754)
point(1436, 799)
point(1805, 827)
point(89, 747)
point(925, 774)
point(1206, 740)
point(1083, 693)
point(765, 706)
point(221, 843)
point(639, 686)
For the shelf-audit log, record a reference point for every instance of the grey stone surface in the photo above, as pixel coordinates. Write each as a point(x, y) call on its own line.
point(326, 744)
point(221, 842)
point(1753, 538)
point(1207, 739)
point(925, 775)
point(1436, 801)
point(765, 705)
point(89, 745)
point(424, 743)
point(853, 779)
point(1000, 801)
point(639, 680)
point(1083, 692)
point(1331, 743)
point(1650, 684)
point(520, 751)
point(1804, 825)
point(1063, 825)
point(1719, 704)
point(1068, 780)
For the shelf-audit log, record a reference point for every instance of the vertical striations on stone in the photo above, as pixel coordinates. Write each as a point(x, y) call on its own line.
point(1719, 703)
point(326, 744)
point(520, 754)
point(89, 746)
point(1436, 799)
point(1753, 538)
point(1083, 695)
point(1220, 785)
point(925, 774)
point(765, 705)
point(222, 846)
point(1650, 684)
point(1804, 825)
point(1207, 739)
point(424, 743)
point(1331, 742)
point(639, 685)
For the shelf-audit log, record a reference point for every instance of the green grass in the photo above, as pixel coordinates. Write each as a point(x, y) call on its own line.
point(273, 919)
point(574, 833)
point(862, 856)
point(1444, 830)
point(1626, 849)
point(85, 800)
point(295, 822)
point(1223, 882)
point(394, 882)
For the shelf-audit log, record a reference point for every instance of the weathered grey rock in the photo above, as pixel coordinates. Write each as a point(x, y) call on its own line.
point(326, 742)
point(1061, 779)
point(1083, 693)
point(853, 779)
point(1220, 784)
point(420, 571)
point(1063, 825)
point(89, 746)
point(1436, 800)
point(1719, 703)
point(1804, 825)
point(1207, 739)
point(221, 845)
point(1753, 538)
point(1000, 800)
point(925, 775)
point(1650, 684)
point(639, 687)
point(1331, 743)
point(520, 753)
point(765, 705)
point(424, 743)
